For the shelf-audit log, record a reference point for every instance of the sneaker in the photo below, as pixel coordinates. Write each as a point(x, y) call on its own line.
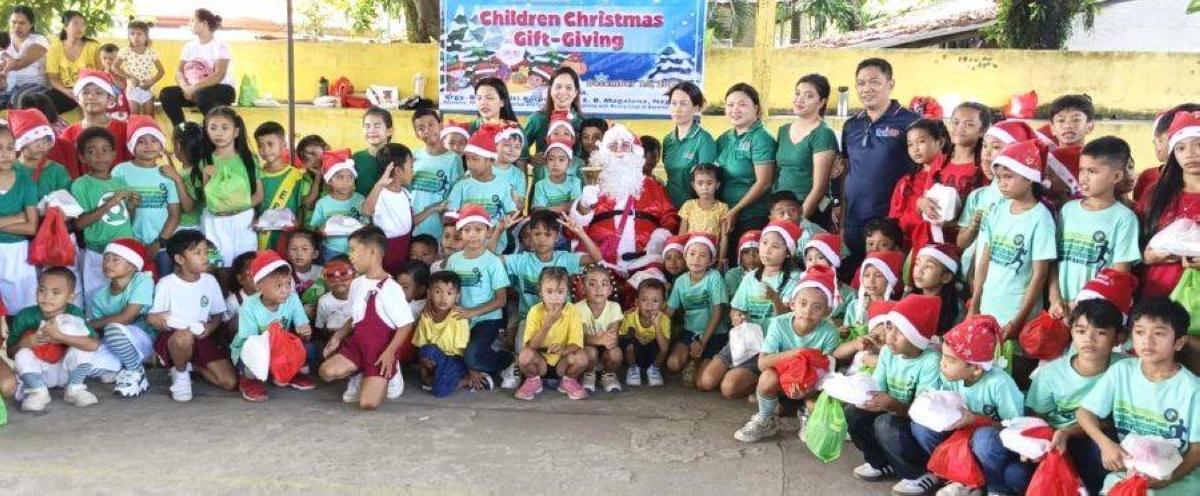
point(352, 386)
point(510, 377)
point(78, 395)
point(589, 381)
point(689, 374)
point(131, 384)
point(756, 429)
point(572, 389)
point(252, 390)
point(633, 376)
point(108, 377)
point(488, 384)
point(299, 381)
point(35, 400)
point(395, 386)
point(915, 487)
point(959, 489)
point(654, 376)
point(181, 385)
point(803, 418)
point(609, 383)
point(866, 472)
point(529, 389)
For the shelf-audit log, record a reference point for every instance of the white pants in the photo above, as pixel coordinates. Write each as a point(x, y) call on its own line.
point(106, 360)
point(54, 374)
point(138, 96)
point(231, 235)
point(18, 279)
point(91, 272)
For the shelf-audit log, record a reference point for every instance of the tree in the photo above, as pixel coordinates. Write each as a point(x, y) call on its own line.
point(99, 14)
point(422, 18)
point(1193, 7)
point(1037, 24)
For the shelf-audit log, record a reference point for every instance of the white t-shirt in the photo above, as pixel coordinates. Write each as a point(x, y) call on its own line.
point(314, 272)
point(209, 53)
point(390, 303)
point(189, 301)
point(233, 303)
point(34, 73)
point(332, 313)
point(393, 213)
point(417, 306)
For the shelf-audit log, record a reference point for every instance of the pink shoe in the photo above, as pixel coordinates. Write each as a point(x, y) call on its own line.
point(531, 388)
point(572, 388)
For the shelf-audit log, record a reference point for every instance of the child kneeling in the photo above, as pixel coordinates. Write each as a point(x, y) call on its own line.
point(442, 337)
point(553, 338)
point(47, 351)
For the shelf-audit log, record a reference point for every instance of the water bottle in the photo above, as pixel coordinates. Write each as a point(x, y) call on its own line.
point(323, 89)
point(843, 101)
point(419, 85)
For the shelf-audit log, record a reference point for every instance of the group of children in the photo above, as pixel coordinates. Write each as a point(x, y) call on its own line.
point(448, 260)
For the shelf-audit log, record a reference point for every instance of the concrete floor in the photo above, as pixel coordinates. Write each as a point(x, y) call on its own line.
point(649, 441)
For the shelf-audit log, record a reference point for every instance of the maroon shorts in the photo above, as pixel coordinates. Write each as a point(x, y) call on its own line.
point(363, 349)
point(204, 350)
point(397, 254)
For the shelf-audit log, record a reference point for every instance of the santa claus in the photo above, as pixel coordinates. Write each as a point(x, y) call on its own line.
point(628, 214)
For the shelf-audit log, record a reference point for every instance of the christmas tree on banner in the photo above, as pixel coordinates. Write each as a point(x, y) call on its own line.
point(674, 64)
point(456, 33)
point(473, 52)
point(551, 58)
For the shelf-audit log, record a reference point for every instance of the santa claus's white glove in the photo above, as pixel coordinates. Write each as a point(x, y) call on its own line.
point(590, 196)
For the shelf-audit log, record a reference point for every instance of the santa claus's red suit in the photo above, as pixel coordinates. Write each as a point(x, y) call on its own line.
point(631, 234)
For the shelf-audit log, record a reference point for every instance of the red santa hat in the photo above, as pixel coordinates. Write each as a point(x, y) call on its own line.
point(675, 243)
point(974, 340)
point(1064, 163)
point(878, 313)
point(1113, 286)
point(336, 161)
point(890, 263)
point(1185, 126)
point(916, 317)
point(1011, 131)
point(567, 146)
point(1027, 159)
point(1046, 135)
point(143, 125)
point(458, 128)
point(99, 78)
point(786, 229)
point(129, 250)
point(508, 130)
point(701, 239)
point(483, 142)
point(830, 246)
point(560, 118)
point(749, 239)
point(473, 213)
point(946, 254)
point(264, 263)
point(824, 279)
point(450, 218)
point(29, 125)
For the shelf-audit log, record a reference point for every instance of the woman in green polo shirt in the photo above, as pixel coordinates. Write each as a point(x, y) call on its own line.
point(746, 154)
point(689, 144)
point(562, 96)
point(807, 147)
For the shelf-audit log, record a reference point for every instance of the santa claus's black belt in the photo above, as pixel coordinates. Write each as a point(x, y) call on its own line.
point(603, 216)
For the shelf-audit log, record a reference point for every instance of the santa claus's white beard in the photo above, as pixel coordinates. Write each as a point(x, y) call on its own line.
point(620, 174)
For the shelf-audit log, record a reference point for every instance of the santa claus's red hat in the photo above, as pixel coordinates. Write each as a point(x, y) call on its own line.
point(749, 239)
point(877, 313)
point(824, 279)
point(946, 254)
point(1026, 159)
point(459, 128)
point(143, 125)
point(28, 125)
point(265, 263)
point(675, 243)
point(974, 340)
point(1011, 131)
point(916, 317)
point(99, 78)
point(701, 239)
point(566, 145)
point(890, 263)
point(830, 246)
point(1046, 135)
point(336, 161)
point(483, 142)
point(787, 230)
point(508, 130)
point(1185, 126)
point(1064, 163)
point(560, 119)
point(1113, 286)
point(129, 250)
point(470, 213)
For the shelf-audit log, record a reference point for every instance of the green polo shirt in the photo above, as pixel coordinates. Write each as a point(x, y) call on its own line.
point(795, 160)
point(739, 155)
point(680, 155)
point(536, 127)
point(367, 169)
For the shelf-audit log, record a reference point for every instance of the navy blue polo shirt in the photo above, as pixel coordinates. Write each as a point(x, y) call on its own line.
point(878, 159)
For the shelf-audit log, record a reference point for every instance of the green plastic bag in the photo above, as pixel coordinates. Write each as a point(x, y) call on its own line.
point(1187, 293)
point(1005, 350)
point(228, 191)
point(855, 333)
point(826, 430)
point(248, 92)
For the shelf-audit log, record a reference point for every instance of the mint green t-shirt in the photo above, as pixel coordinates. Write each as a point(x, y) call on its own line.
point(547, 193)
point(1090, 241)
point(980, 200)
point(52, 178)
point(905, 378)
point(1058, 388)
point(698, 300)
point(21, 195)
point(157, 192)
point(91, 193)
point(515, 177)
point(481, 277)
point(254, 318)
point(733, 279)
point(995, 395)
point(781, 336)
point(328, 206)
point(751, 299)
point(1015, 242)
point(139, 291)
point(525, 269)
point(433, 176)
point(495, 196)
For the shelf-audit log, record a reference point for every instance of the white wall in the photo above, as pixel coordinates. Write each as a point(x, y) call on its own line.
point(1140, 26)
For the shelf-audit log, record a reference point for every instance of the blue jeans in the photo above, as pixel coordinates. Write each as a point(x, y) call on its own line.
point(166, 266)
point(447, 370)
point(1005, 472)
point(885, 440)
point(1088, 463)
point(481, 355)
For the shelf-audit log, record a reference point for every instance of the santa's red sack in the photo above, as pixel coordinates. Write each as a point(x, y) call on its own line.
point(802, 370)
point(1134, 485)
point(953, 460)
point(52, 245)
point(1045, 337)
point(1055, 476)
point(287, 353)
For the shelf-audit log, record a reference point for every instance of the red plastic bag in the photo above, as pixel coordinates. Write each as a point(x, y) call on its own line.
point(341, 87)
point(1045, 337)
point(287, 353)
point(803, 369)
point(50, 352)
point(52, 246)
point(1055, 476)
point(927, 106)
point(1135, 485)
point(1022, 106)
point(953, 460)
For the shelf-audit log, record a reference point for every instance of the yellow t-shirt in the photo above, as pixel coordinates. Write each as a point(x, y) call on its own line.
point(703, 221)
point(644, 333)
point(567, 331)
point(592, 324)
point(68, 70)
point(450, 335)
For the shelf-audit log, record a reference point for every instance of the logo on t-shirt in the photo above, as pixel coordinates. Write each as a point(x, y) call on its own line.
point(1091, 250)
point(1009, 252)
point(116, 215)
point(204, 301)
point(471, 278)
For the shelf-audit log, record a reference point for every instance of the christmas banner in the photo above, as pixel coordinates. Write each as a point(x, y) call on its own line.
point(627, 52)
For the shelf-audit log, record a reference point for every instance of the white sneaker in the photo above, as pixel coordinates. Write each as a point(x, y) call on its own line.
point(609, 382)
point(108, 377)
point(35, 400)
point(395, 386)
point(756, 429)
point(870, 474)
point(130, 384)
point(510, 378)
point(78, 395)
point(181, 386)
point(654, 376)
point(915, 487)
point(352, 386)
point(958, 489)
point(633, 376)
point(589, 381)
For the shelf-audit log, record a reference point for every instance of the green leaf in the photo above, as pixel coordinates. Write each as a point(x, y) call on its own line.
point(1193, 7)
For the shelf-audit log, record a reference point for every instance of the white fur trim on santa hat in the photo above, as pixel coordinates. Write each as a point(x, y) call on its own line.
point(509, 132)
point(1017, 167)
point(747, 245)
point(86, 80)
point(268, 269)
point(1060, 170)
point(563, 124)
point(558, 145)
point(835, 259)
point(941, 257)
point(480, 151)
point(1088, 294)
point(1000, 134)
point(701, 240)
point(145, 131)
point(464, 221)
point(672, 246)
point(126, 254)
point(32, 135)
point(1183, 134)
point(908, 329)
point(448, 130)
point(787, 238)
point(891, 277)
point(347, 164)
point(829, 296)
point(878, 321)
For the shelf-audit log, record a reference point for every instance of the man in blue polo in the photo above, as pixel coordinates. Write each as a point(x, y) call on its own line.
point(873, 142)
